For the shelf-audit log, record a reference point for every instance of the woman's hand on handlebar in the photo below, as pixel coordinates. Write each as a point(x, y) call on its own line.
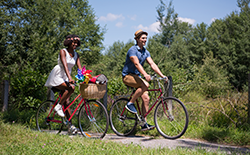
point(71, 81)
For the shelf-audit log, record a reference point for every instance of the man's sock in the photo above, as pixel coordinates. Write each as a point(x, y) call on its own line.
point(129, 103)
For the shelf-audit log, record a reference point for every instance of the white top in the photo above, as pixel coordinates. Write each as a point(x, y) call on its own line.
point(58, 75)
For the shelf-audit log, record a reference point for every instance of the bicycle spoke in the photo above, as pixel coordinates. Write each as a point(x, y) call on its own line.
point(171, 118)
point(122, 122)
point(47, 120)
point(93, 119)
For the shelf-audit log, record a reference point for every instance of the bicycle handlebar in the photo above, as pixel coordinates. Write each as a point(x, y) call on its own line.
point(154, 77)
point(69, 84)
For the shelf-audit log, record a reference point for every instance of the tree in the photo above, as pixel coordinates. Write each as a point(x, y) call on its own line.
point(113, 60)
point(35, 30)
point(229, 41)
point(196, 44)
point(168, 23)
point(174, 35)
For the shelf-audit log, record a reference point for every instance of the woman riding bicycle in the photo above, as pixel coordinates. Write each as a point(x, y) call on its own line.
point(132, 69)
point(60, 76)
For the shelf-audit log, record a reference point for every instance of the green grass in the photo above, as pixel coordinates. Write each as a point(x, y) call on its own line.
point(17, 139)
point(221, 120)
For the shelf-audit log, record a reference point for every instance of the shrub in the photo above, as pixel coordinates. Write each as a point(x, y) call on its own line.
point(211, 80)
point(27, 89)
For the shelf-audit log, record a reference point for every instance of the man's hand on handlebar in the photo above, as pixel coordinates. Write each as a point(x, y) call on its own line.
point(166, 79)
point(147, 77)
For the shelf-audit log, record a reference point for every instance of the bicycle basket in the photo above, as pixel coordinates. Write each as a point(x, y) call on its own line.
point(91, 90)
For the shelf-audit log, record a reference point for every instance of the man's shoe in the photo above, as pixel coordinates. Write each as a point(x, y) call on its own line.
point(59, 110)
point(131, 108)
point(146, 127)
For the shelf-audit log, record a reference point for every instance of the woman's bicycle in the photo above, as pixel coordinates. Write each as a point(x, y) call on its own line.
point(170, 116)
point(92, 115)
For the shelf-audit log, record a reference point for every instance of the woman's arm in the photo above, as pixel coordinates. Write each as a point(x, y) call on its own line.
point(64, 62)
point(78, 63)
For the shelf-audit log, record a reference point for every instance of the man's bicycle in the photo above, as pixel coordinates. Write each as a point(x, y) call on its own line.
point(92, 115)
point(170, 116)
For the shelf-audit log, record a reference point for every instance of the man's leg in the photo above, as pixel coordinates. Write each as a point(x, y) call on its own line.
point(139, 92)
point(145, 103)
point(136, 82)
point(145, 107)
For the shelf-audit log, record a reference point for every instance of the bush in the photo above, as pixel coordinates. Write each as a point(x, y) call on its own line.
point(27, 89)
point(116, 86)
point(211, 79)
point(26, 117)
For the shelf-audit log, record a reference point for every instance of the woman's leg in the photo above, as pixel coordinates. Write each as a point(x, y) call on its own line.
point(67, 90)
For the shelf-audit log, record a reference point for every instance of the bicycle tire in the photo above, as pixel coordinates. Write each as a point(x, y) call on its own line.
point(122, 125)
point(171, 126)
point(94, 125)
point(45, 123)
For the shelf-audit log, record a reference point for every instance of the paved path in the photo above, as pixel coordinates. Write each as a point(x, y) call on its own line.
point(150, 142)
point(172, 144)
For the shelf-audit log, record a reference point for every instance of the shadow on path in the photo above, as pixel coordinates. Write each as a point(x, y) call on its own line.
point(172, 144)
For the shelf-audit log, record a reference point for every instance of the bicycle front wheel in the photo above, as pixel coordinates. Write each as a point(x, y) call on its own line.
point(171, 118)
point(93, 119)
point(46, 119)
point(122, 122)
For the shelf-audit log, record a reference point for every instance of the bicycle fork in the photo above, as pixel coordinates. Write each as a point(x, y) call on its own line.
point(168, 110)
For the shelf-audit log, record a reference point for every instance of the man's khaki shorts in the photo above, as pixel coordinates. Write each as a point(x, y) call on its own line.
point(133, 80)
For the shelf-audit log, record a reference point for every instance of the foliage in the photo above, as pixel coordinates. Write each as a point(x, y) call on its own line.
point(116, 86)
point(196, 43)
point(168, 23)
point(34, 30)
point(227, 38)
point(113, 60)
point(22, 117)
point(27, 89)
point(211, 79)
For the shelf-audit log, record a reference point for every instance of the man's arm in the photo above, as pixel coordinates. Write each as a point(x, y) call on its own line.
point(154, 67)
point(139, 67)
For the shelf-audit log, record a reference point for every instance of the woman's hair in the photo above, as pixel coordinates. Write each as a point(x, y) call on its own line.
point(70, 38)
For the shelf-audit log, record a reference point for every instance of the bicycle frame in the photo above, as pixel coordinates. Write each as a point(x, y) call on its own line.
point(137, 102)
point(64, 109)
point(170, 114)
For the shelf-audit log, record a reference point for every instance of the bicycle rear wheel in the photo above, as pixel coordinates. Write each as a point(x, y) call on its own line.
point(171, 118)
point(47, 120)
point(93, 119)
point(122, 122)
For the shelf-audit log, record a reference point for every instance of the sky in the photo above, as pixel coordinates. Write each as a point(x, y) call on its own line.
point(123, 18)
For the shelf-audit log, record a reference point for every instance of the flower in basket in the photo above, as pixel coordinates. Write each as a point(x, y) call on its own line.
point(83, 75)
point(80, 76)
point(83, 70)
point(87, 76)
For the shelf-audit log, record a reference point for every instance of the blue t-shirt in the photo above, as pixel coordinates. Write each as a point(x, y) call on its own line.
point(129, 66)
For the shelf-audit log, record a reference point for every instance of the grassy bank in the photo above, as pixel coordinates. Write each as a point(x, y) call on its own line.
point(222, 120)
point(17, 139)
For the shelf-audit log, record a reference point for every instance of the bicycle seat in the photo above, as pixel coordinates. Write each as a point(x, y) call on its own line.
point(129, 87)
point(54, 89)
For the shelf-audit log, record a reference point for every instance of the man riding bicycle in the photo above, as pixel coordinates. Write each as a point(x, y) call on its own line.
point(132, 70)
